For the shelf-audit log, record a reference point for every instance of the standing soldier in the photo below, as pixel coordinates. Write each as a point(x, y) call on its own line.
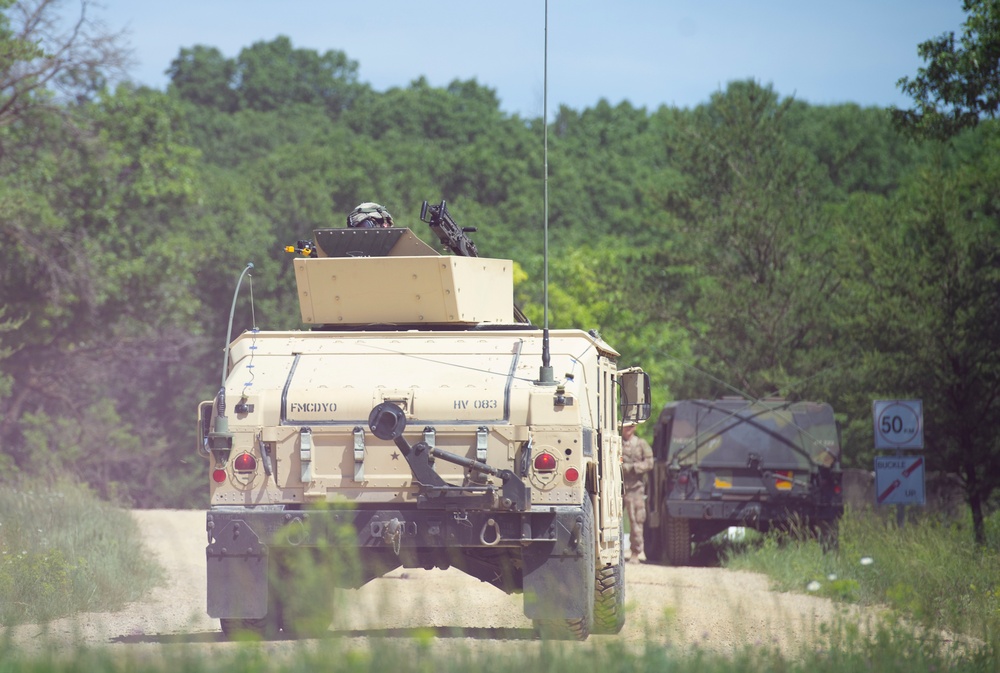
point(637, 460)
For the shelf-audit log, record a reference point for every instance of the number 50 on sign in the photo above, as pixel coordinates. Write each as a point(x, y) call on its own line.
point(899, 424)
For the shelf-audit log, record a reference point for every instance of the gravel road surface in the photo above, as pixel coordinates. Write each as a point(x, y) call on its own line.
point(711, 608)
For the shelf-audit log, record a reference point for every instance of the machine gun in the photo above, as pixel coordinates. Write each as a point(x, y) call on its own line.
point(450, 234)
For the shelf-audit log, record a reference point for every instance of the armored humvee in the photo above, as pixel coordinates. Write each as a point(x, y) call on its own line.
point(417, 424)
point(737, 462)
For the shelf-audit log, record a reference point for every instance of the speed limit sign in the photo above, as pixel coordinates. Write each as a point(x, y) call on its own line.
point(899, 424)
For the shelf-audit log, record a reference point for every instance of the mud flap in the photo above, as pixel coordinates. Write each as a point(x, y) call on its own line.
point(237, 573)
point(559, 576)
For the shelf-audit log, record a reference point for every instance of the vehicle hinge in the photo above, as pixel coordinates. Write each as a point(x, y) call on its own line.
point(429, 437)
point(481, 434)
point(305, 454)
point(359, 453)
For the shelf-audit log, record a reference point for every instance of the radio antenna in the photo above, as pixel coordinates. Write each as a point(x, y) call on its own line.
point(545, 375)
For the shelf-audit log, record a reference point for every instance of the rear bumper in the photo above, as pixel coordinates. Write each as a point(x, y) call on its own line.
point(381, 528)
point(552, 560)
point(754, 513)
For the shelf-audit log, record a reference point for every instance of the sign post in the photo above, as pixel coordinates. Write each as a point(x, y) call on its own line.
point(899, 478)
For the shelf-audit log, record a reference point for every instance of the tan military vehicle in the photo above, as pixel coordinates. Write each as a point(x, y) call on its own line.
point(418, 423)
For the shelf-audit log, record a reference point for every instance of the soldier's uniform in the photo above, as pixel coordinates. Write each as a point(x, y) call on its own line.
point(637, 460)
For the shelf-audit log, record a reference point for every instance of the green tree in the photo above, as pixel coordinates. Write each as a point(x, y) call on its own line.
point(203, 76)
point(44, 63)
point(928, 318)
point(98, 258)
point(265, 77)
point(760, 242)
point(961, 82)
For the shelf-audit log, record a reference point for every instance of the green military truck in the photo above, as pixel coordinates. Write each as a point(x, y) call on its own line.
point(421, 422)
point(735, 462)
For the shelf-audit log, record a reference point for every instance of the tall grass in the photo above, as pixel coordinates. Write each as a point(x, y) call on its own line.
point(891, 650)
point(64, 551)
point(929, 570)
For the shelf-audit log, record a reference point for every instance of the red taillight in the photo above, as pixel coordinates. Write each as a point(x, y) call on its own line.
point(572, 474)
point(545, 462)
point(219, 476)
point(683, 479)
point(836, 489)
point(245, 463)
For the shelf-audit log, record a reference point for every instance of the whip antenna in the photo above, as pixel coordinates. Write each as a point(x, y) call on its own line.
point(545, 375)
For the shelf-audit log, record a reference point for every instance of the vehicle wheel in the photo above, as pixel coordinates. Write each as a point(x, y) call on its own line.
point(828, 533)
point(566, 629)
point(677, 540)
point(305, 597)
point(249, 629)
point(609, 599)
point(577, 628)
point(652, 541)
point(609, 593)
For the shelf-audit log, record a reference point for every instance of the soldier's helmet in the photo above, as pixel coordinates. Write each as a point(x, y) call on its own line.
point(369, 216)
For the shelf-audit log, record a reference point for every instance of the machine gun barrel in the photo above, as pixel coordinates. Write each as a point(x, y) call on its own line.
point(447, 230)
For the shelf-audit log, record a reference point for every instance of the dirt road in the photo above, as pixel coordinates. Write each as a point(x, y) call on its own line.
point(714, 608)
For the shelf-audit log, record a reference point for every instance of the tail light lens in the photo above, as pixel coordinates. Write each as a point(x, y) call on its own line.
point(572, 474)
point(245, 463)
point(218, 476)
point(545, 462)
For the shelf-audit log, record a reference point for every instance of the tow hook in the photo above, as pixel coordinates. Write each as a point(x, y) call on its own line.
point(490, 523)
point(393, 534)
point(574, 535)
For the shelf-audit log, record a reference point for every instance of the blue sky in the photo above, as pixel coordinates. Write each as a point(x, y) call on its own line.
point(648, 52)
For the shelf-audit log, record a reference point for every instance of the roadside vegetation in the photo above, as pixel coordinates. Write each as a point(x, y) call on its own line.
point(64, 551)
point(890, 650)
point(926, 572)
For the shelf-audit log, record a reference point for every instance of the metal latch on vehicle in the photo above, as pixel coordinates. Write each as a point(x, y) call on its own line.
point(359, 453)
point(481, 434)
point(305, 453)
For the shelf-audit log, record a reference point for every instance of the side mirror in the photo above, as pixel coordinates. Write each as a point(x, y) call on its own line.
point(204, 426)
point(634, 397)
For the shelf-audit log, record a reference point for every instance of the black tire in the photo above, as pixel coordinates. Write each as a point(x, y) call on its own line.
point(677, 540)
point(828, 533)
point(609, 593)
point(304, 587)
point(652, 541)
point(609, 599)
point(250, 629)
point(577, 628)
point(566, 629)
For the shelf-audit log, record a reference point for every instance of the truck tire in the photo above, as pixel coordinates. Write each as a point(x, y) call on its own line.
point(577, 628)
point(677, 540)
point(828, 534)
point(652, 538)
point(303, 585)
point(609, 599)
point(250, 629)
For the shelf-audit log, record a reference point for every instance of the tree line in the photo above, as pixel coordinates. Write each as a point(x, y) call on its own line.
point(752, 245)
